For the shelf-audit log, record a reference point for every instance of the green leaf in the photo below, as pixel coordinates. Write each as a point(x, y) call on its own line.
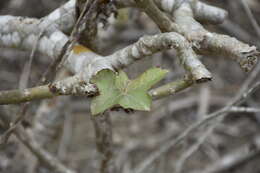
point(148, 79)
point(122, 81)
point(108, 93)
point(137, 100)
point(117, 89)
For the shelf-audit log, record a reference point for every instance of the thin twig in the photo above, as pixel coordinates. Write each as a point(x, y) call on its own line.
point(65, 140)
point(48, 75)
point(236, 158)
point(23, 84)
point(44, 156)
point(175, 141)
point(251, 18)
point(193, 148)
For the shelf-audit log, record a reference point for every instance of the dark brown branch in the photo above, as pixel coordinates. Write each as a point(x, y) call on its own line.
point(104, 142)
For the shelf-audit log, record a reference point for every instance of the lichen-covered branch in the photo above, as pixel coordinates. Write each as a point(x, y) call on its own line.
point(151, 44)
point(185, 16)
point(87, 64)
point(43, 92)
point(189, 61)
point(244, 54)
point(205, 42)
point(22, 33)
point(202, 12)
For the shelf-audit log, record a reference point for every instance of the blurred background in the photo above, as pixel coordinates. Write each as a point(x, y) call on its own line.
point(70, 134)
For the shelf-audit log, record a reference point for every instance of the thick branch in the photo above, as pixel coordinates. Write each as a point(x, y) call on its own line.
point(207, 43)
point(87, 64)
point(204, 13)
point(151, 44)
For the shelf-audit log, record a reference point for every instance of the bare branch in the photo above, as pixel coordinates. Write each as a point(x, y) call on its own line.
point(203, 42)
point(104, 142)
point(151, 44)
point(173, 142)
point(251, 18)
point(87, 64)
point(27, 139)
point(235, 158)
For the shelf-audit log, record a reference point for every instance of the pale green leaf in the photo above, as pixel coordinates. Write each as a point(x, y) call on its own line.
point(137, 100)
point(117, 89)
point(108, 94)
point(122, 81)
point(148, 79)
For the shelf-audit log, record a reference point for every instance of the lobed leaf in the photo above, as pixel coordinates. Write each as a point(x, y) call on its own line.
point(117, 89)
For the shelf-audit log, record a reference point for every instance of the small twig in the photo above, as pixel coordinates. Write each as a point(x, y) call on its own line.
point(24, 79)
point(171, 88)
point(59, 61)
point(244, 109)
point(218, 114)
point(36, 149)
point(185, 156)
point(251, 18)
point(41, 154)
point(236, 158)
point(29, 94)
point(23, 84)
point(210, 130)
point(48, 120)
point(204, 101)
point(201, 140)
point(78, 28)
point(66, 136)
point(12, 126)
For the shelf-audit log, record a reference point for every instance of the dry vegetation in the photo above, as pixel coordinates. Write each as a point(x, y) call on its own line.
point(63, 126)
